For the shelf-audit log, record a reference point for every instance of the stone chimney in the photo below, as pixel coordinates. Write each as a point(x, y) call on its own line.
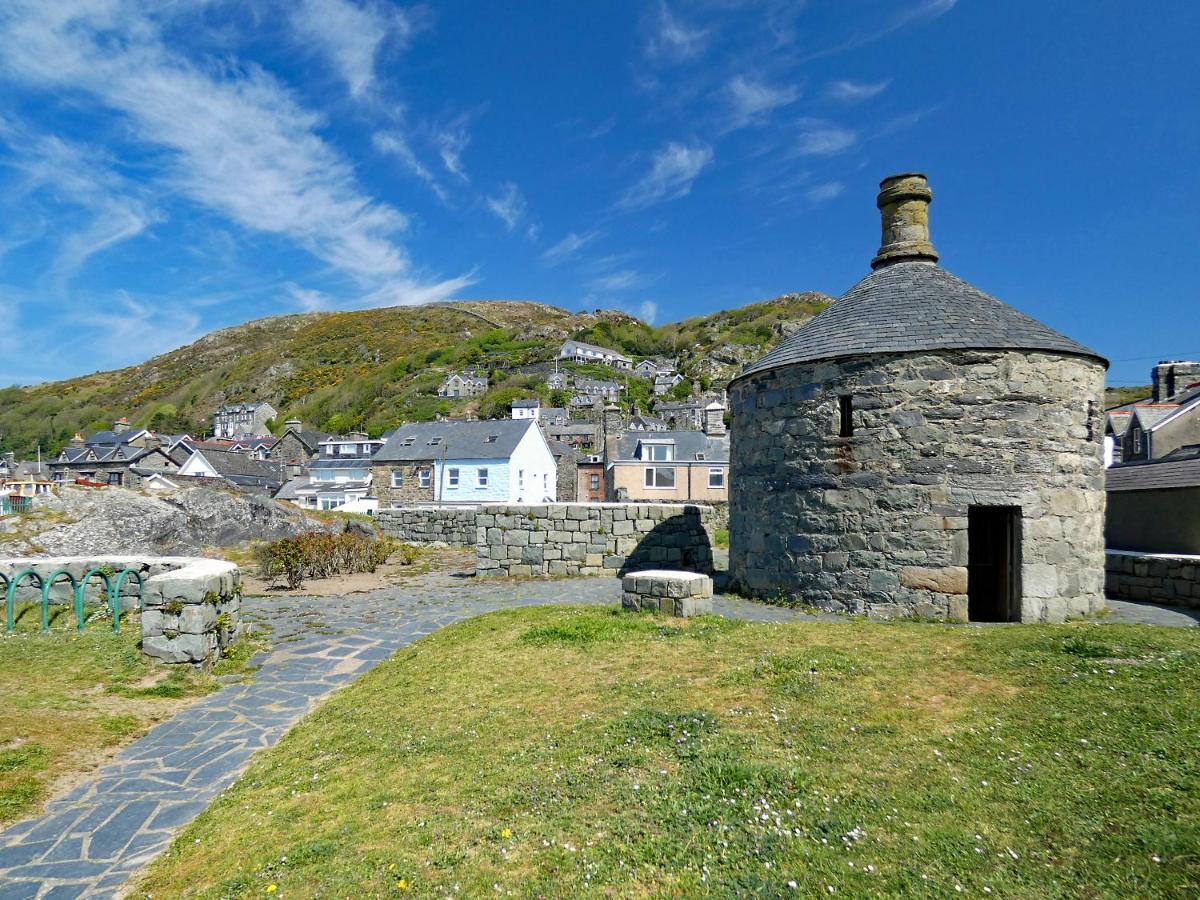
point(611, 425)
point(77, 441)
point(292, 425)
point(904, 205)
point(714, 419)
point(1174, 376)
point(120, 426)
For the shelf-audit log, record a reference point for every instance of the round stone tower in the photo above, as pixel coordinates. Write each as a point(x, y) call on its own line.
point(920, 448)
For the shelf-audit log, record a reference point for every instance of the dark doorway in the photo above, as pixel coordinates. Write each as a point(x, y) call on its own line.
point(994, 563)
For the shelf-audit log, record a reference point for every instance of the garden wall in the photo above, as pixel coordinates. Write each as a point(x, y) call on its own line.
point(1156, 577)
point(592, 538)
point(450, 525)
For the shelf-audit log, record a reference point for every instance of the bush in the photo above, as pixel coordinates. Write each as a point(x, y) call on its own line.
point(321, 554)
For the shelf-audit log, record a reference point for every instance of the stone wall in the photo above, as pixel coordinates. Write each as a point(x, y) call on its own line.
point(453, 526)
point(876, 522)
point(191, 606)
point(1156, 577)
point(410, 490)
point(592, 538)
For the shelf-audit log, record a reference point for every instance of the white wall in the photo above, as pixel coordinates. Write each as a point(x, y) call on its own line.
point(533, 474)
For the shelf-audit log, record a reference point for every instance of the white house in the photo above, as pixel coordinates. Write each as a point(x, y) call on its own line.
point(491, 461)
point(578, 351)
point(339, 478)
point(526, 408)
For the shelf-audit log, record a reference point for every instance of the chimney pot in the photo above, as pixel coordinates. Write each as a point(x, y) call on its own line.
point(903, 203)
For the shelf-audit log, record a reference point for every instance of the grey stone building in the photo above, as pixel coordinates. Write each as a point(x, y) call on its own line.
point(236, 420)
point(920, 448)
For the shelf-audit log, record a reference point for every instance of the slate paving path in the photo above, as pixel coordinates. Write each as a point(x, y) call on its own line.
point(90, 841)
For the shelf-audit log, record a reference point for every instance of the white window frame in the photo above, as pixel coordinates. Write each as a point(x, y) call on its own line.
point(481, 477)
point(652, 478)
point(397, 478)
point(718, 473)
point(452, 475)
point(424, 478)
point(652, 447)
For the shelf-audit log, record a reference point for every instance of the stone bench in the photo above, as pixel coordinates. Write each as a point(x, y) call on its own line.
point(675, 593)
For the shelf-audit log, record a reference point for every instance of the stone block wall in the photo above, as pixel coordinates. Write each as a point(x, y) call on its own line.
point(452, 526)
point(592, 538)
point(1153, 577)
point(877, 522)
point(191, 607)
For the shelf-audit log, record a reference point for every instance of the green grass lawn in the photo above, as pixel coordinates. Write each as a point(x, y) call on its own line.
point(68, 701)
point(564, 752)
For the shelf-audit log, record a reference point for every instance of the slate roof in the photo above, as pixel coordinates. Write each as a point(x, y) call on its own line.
point(1118, 420)
point(687, 444)
point(1151, 476)
point(1150, 414)
point(527, 403)
point(456, 440)
point(911, 306)
point(241, 468)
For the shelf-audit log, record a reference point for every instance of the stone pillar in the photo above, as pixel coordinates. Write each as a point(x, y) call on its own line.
point(904, 206)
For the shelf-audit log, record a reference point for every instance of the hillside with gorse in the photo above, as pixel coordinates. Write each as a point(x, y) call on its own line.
point(375, 368)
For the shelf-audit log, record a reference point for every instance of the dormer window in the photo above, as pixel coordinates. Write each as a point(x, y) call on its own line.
point(658, 452)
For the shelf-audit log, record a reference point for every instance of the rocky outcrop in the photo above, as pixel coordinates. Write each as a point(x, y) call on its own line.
point(114, 520)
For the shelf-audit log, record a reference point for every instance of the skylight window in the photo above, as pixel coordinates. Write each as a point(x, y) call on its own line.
point(433, 442)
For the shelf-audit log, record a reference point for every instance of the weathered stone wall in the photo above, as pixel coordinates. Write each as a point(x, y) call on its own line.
point(453, 526)
point(592, 538)
point(409, 492)
point(876, 522)
point(1156, 577)
point(190, 609)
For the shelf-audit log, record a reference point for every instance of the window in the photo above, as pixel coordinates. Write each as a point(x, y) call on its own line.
point(660, 477)
point(658, 452)
point(434, 441)
point(595, 482)
point(397, 478)
point(845, 415)
point(114, 478)
point(424, 478)
point(1137, 440)
point(520, 478)
point(492, 438)
point(481, 477)
point(452, 477)
point(331, 502)
point(716, 477)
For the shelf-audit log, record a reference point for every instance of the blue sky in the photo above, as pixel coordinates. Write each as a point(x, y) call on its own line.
point(170, 168)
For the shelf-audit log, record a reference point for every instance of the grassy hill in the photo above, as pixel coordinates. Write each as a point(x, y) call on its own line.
point(375, 368)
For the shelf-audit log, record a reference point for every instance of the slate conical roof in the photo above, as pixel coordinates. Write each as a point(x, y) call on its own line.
point(913, 305)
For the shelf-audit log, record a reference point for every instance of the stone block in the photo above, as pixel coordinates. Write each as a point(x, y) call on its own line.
point(947, 580)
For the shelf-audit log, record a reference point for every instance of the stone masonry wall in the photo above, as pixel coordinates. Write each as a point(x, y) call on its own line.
point(876, 523)
point(450, 525)
point(191, 606)
point(1156, 577)
point(592, 538)
point(410, 491)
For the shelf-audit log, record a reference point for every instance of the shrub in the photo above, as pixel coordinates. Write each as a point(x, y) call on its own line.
point(320, 554)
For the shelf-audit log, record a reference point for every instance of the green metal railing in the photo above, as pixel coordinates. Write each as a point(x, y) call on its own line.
point(111, 593)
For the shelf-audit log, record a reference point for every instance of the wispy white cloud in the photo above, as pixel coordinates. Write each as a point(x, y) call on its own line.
point(855, 91)
point(673, 169)
point(568, 247)
point(351, 35)
point(307, 299)
point(393, 143)
point(616, 282)
point(752, 100)
point(920, 11)
point(671, 38)
point(232, 139)
point(827, 191)
point(820, 138)
point(126, 321)
point(81, 177)
point(647, 311)
point(508, 205)
point(451, 140)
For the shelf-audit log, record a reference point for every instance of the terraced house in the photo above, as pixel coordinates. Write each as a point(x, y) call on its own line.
point(503, 460)
point(241, 420)
point(120, 456)
point(339, 478)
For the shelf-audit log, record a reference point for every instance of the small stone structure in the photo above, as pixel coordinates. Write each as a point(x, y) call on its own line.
point(675, 593)
point(1155, 577)
point(451, 526)
point(591, 538)
point(191, 606)
point(920, 448)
